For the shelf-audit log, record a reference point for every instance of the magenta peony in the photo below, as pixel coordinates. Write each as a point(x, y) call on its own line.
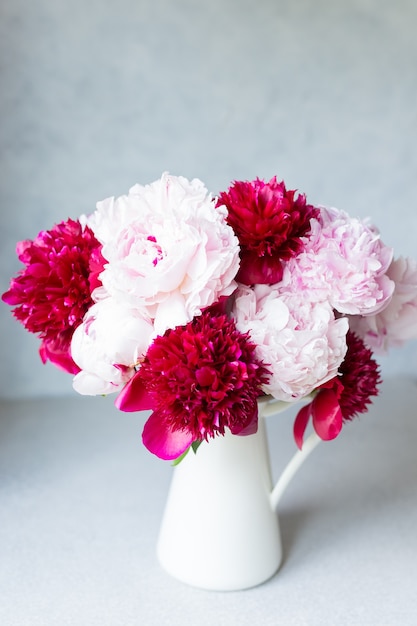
point(52, 294)
point(360, 377)
point(201, 378)
point(269, 221)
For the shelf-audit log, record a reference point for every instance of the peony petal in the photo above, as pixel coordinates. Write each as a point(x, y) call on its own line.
point(12, 296)
point(170, 313)
point(165, 443)
point(300, 424)
point(250, 427)
point(60, 358)
point(259, 270)
point(327, 415)
point(88, 384)
point(134, 396)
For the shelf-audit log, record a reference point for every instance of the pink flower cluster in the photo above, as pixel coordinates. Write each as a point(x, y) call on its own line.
point(194, 306)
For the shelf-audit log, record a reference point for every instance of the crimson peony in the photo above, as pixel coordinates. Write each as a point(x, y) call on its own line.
point(201, 378)
point(269, 221)
point(53, 292)
point(360, 377)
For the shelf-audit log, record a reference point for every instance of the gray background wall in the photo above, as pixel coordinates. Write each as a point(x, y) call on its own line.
point(96, 96)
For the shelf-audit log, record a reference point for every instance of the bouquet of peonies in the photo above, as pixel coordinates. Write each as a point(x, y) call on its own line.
point(194, 306)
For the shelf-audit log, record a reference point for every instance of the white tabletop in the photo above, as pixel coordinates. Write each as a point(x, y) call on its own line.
point(81, 501)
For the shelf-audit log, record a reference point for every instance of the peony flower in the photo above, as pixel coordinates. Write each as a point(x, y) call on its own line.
point(397, 322)
point(270, 222)
point(107, 346)
point(202, 378)
point(170, 253)
point(345, 262)
point(301, 341)
point(360, 377)
point(344, 397)
point(53, 292)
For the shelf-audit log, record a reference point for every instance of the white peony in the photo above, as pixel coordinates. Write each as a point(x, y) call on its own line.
point(169, 251)
point(108, 344)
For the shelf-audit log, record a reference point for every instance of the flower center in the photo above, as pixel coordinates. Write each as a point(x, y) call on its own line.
point(155, 249)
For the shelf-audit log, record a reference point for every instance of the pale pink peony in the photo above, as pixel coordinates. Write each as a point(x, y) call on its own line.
point(300, 342)
point(108, 344)
point(344, 262)
point(170, 252)
point(396, 323)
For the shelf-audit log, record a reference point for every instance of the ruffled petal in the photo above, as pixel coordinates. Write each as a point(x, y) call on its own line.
point(165, 443)
point(259, 270)
point(57, 353)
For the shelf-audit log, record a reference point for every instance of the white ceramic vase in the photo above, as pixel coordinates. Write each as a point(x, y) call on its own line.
point(220, 529)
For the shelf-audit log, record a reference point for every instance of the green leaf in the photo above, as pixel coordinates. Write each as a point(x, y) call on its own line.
point(181, 457)
point(196, 444)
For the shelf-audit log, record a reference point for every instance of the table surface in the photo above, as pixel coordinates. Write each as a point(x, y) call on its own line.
point(81, 502)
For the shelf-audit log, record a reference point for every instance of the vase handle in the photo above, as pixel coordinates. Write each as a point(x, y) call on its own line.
point(271, 406)
point(291, 468)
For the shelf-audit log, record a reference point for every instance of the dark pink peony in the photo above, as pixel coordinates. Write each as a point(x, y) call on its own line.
point(344, 397)
point(269, 221)
point(53, 292)
point(360, 376)
point(200, 379)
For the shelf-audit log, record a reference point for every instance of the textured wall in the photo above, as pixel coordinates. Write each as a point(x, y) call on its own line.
point(96, 96)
